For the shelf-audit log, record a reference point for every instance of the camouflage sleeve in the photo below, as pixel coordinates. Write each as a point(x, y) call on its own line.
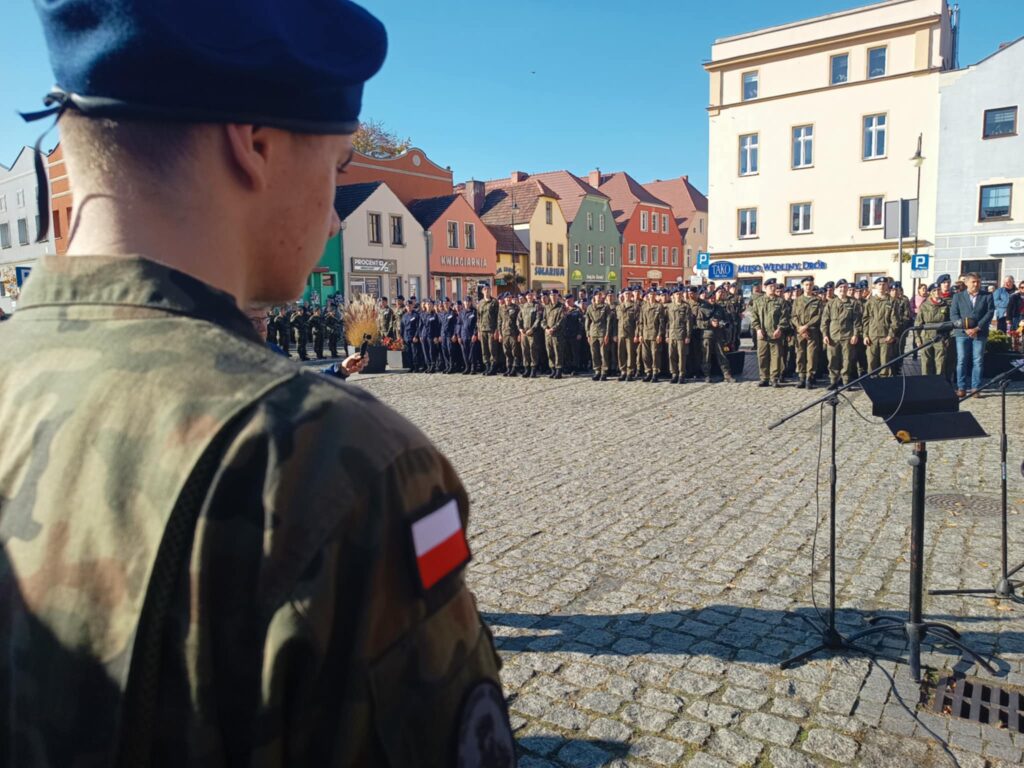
point(308, 632)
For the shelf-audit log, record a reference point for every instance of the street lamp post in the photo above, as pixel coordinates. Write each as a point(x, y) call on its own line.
point(918, 161)
point(514, 256)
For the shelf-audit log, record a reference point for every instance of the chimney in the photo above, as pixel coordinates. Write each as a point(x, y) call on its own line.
point(474, 194)
point(518, 176)
point(594, 178)
point(686, 179)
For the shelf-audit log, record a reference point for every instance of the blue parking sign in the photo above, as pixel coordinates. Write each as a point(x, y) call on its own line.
point(919, 262)
point(703, 259)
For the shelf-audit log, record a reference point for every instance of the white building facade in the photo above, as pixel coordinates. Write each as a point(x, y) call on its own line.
point(19, 226)
point(812, 126)
point(981, 170)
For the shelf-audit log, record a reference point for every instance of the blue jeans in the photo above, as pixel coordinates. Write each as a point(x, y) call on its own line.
point(973, 349)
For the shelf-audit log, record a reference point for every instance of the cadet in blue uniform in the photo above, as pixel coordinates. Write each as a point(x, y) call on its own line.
point(468, 341)
point(449, 349)
point(411, 335)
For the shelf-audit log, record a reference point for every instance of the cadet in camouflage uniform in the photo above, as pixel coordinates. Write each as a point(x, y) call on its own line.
point(769, 321)
point(332, 330)
point(934, 309)
point(806, 319)
point(574, 335)
point(735, 306)
point(208, 552)
point(904, 319)
point(316, 330)
point(300, 327)
point(652, 333)
point(713, 322)
point(679, 321)
point(554, 334)
point(599, 320)
point(842, 326)
point(508, 332)
point(386, 320)
point(487, 329)
point(529, 323)
point(881, 327)
point(627, 316)
point(284, 330)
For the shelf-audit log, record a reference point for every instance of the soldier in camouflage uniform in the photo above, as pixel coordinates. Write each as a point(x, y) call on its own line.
point(713, 323)
point(316, 331)
point(881, 327)
point(554, 334)
point(627, 316)
point(508, 332)
point(806, 319)
point(679, 320)
point(904, 319)
point(283, 328)
point(652, 333)
point(487, 329)
point(531, 316)
point(599, 320)
point(209, 554)
point(842, 326)
point(386, 320)
point(574, 335)
point(332, 330)
point(935, 309)
point(300, 327)
point(769, 321)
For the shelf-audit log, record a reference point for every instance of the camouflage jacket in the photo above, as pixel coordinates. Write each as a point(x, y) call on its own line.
point(932, 312)
point(680, 321)
point(807, 311)
point(598, 319)
point(213, 542)
point(842, 319)
point(652, 321)
point(770, 314)
point(880, 318)
point(508, 320)
point(628, 317)
point(387, 322)
point(554, 319)
point(530, 318)
point(487, 315)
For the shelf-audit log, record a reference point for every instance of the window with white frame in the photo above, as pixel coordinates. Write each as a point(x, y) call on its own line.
point(747, 223)
point(397, 235)
point(5, 235)
point(874, 136)
point(654, 222)
point(576, 253)
point(23, 231)
point(373, 220)
point(664, 255)
point(876, 62)
point(3, 203)
point(470, 236)
point(748, 154)
point(600, 222)
point(600, 255)
point(800, 215)
point(675, 257)
point(839, 68)
point(664, 222)
point(643, 254)
point(611, 255)
point(872, 209)
point(803, 146)
point(453, 234)
point(549, 212)
point(643, 221)
point(750, 84)
point(632, 253)
point(19, 196)
point(590, 220)
point(590, 254)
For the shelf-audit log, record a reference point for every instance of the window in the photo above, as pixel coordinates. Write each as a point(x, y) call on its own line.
point(996, 201)
point(748, 223)
point(654, 222)
point(5, 235)
point(590, 254)
point(538, 257)
point(871, 209)
point(20, 197)
point(547, 255)
point(643, 221)
point(600, 256)
point(561, 255)
point(374, 221)
point(632, 253)
point(576, 253)
point(611, 255)
point(56, 225)
point(397, 237)
point(700, 225)
point(800, 213)
point(748, 154)
point(453, 234)
point(39, 229)
point(840, 69)
point(600, 222)
point(549, 212)
point(998, 122)
point(664, 222)
point(664, 255)
point(471, 236)
point(23, 231)
point(803, 146)
point(3, 203)
point(876, 62)
point(457, 287)
point(749, 85)
point(987, 269)
point(590, 220)
point(414, 286)
point(643, 254)
point(874, 136)
point(675, 257)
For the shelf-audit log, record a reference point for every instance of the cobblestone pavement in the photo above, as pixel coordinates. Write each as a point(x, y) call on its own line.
point(643, 552)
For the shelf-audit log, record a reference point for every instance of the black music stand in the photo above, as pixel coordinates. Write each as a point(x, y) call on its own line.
point(919, 410)
point(1004, 589)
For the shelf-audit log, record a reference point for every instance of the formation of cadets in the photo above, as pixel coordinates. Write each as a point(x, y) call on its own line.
point(636, 334)
point(300, 325)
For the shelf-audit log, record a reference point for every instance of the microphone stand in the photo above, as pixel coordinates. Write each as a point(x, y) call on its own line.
point(1004, 589)
point(831, 639)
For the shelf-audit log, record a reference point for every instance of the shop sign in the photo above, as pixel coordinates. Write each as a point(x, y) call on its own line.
point(21, 275)
point(374, 265)
point(576, 276)
point(654, 274)
point(463, 261)
point(722, 270)
point(612, 276)
point(327, 281)
point(1006, 245)
point(597, 277)
point(789, 266)
point(549, 271)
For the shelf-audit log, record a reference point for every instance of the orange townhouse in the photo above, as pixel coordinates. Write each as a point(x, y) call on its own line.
point(461, 250)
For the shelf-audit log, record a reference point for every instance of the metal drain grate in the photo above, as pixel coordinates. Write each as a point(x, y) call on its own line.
point(960, 504)
point(967, 698)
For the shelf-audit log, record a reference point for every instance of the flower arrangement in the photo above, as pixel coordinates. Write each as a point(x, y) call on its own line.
point(998, 342)
point(361, 320)
point(393, 345)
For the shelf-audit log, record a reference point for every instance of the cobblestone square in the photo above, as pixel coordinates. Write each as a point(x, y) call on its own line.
point(642, 553)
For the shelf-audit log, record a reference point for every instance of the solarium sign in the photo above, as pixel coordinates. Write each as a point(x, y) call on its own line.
point(787, 266)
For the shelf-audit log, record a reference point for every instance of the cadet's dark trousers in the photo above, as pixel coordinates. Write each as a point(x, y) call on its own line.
point(677, 356)
point(446, 353)
point(415, 353)
point(650, 350)
point(303, 340)
point(530, 352)
point(556, 350)
point(807, 354)
point(601, 354)
point(284, 341)
point(712, 347)
point(513, 351)
point(696, 355)
point(332, 344)
point(861, 358)
point(627, 355)
point(879, 353)
point(572, 353)
point(842, 361)
point(770, 360)
point(427, 350)
point(488, 348)
point(470, 353)
point(318, 345)
point(933, 359)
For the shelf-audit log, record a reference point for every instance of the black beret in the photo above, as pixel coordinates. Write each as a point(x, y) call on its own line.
point(297, 65)
point(880, 280)
point(841, 281)
point(771, 281)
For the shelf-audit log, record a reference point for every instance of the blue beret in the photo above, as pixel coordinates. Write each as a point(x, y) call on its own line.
point(933, 287)
point(862, 284)
point(841, 281)
point(897, 284)
point(881, 280)
point(943, 279)
point(545, 293)
point(830, 284)
point(771, 281)
point(401, 298)
point(296, 65)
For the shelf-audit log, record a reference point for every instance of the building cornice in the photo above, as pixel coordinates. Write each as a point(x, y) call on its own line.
point(888, 245)
point(816, 46)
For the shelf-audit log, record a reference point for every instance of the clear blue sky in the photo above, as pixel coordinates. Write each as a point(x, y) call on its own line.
point(533, 85)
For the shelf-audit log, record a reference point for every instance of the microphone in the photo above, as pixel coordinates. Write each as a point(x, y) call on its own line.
point(949, 325)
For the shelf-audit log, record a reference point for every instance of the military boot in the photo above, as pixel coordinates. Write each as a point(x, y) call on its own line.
point(533, 372)
point(558, 373)
point(675, 379)
point(604, 377)
point(810, 383)
point(802, 384)
point(596, 376)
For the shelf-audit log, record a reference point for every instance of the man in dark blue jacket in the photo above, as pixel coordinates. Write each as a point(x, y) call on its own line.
point(468, 341)
point(449, 349)
point(411, 335)
point(971, 312)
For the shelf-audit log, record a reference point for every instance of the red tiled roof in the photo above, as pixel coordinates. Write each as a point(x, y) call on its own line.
point(684, 198)
point(625, 193)
point(498, 196)
point(570, 190)
point(508, 241)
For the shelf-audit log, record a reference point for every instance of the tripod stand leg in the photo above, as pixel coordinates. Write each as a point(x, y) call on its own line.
point(961, 591)
point(957, 643)
point(941, 627)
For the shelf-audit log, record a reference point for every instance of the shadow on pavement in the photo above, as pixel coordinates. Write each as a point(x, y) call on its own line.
point(583, 753)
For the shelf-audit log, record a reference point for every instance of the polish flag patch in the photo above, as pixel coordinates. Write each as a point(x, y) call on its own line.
point(440, 543)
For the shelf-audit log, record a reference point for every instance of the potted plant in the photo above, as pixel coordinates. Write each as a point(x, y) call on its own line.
point(395, 348)
point(361, 321)
point(998, 354)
